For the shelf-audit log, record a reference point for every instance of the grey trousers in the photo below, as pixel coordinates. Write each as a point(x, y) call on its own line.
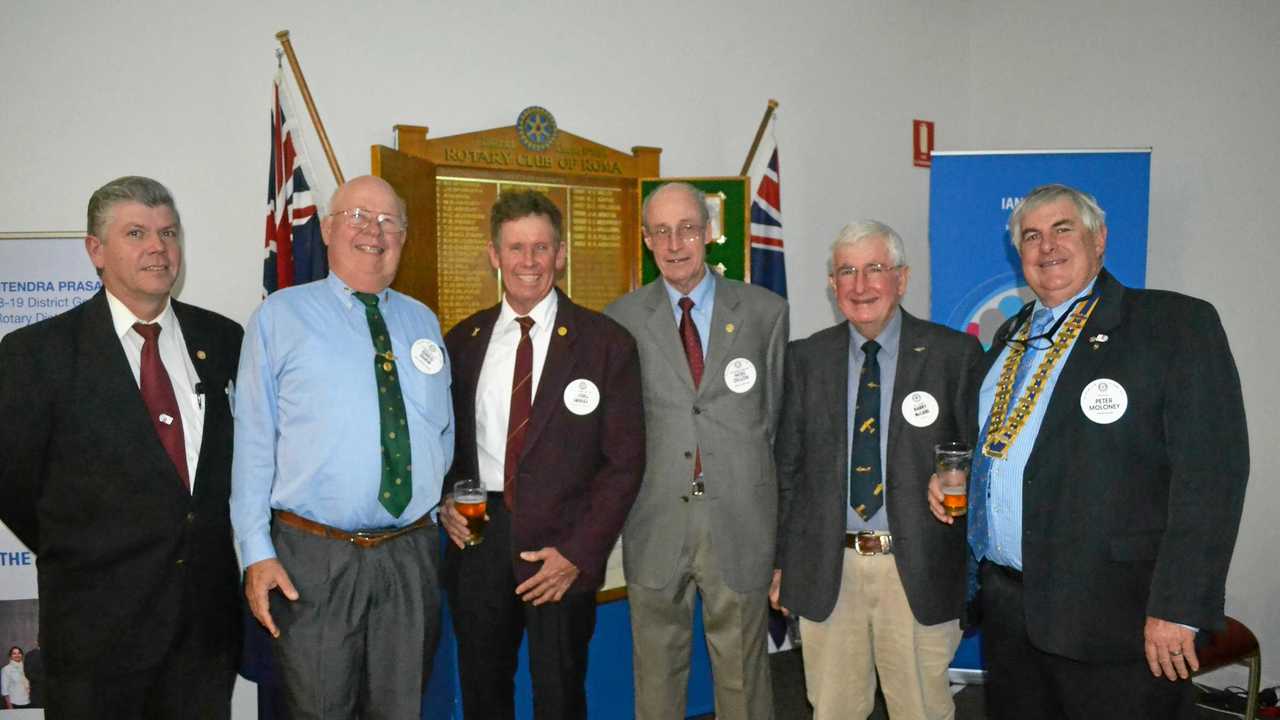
point(359, 640)
point(736, 627)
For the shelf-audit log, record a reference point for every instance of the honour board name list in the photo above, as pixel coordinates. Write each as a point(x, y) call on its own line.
point(595, 272)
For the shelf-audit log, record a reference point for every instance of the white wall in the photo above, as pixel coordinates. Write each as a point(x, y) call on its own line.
point(93, 91)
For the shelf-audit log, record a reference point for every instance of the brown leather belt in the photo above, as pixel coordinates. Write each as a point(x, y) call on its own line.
point(869, 543)
point(360, 538)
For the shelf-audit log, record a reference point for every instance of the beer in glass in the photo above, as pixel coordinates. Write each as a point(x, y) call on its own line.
point(951, 463)
point(470, 499)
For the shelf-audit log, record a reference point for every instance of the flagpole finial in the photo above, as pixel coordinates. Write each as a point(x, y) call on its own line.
point(282, 35)
point(773, 103)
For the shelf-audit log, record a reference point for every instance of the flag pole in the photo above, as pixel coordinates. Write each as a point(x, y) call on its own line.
point(755, 144)
point(283, 37)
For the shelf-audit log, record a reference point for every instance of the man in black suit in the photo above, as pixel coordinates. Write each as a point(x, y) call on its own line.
point(878, 585)
point(115, 457)
point(562, 463)
point(1105, 502)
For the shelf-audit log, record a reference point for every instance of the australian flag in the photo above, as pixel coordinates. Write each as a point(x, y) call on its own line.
point(295, 254)
point(767, 262)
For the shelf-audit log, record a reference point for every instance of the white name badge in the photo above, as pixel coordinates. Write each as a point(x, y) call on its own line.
point(1104, 401)
point(582, 397)
point(166, 419)
point(740, 375)
point(920, 409)
point(427, 356)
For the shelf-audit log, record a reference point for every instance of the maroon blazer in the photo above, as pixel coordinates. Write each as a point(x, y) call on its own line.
point(578, 474)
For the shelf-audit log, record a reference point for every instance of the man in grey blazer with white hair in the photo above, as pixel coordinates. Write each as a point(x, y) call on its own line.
point(877, 583)
point(711, 353)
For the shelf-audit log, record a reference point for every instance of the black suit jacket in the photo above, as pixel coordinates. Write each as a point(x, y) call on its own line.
point(1138, 517)
point(812, 453)
point(125, 555)
point(578, 474)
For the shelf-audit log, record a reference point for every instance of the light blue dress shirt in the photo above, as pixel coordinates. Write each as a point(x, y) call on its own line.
point(703, 296)
point(306, 415)
point(887, 357)
point(1004, 495)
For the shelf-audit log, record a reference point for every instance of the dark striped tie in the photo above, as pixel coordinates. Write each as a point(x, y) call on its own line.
point(521, 405)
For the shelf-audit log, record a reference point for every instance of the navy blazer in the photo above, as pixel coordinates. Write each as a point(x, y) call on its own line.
point(126, 555)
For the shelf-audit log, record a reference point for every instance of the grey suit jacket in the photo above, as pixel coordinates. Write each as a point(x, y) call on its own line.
point(812, 455)
point(735, 431)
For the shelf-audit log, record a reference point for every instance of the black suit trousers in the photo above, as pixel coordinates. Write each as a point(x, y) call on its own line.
point(489, 620)
point(1026, 682)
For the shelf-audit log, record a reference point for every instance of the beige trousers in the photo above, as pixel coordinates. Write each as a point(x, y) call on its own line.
point(872, 628)
point(736, 627)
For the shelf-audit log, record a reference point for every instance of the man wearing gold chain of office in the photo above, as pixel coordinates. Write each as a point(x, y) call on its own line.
point(1107, 488)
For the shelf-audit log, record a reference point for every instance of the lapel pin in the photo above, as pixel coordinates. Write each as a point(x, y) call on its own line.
point(729, 328)
point(562, 331)
point(1099, 338)
point(918, 349)
point(475, 332)
point(200, 354)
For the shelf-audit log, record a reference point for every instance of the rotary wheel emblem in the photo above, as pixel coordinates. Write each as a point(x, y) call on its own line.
point(536, 128)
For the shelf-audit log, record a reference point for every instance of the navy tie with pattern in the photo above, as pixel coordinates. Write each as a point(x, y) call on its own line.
point(866, 480)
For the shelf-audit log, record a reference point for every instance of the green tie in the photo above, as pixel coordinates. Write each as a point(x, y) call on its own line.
point(397, 485)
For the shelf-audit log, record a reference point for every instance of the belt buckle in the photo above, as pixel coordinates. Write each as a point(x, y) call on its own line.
point(697, 489)
point(885, 542)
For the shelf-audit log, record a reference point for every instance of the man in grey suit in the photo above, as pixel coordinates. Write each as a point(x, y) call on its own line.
point(877, 583)
point(711, 354)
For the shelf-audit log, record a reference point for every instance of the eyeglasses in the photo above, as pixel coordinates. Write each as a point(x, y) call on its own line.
point(684, 232)
point(871, 272)
point(1044, 340)
point(359, 219)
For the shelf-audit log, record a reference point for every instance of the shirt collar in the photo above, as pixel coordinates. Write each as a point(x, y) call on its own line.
point(543, 314)
point(705, 287)
point(1058, 310)
point(346, 294)
point(888, 337)
point(122, 318)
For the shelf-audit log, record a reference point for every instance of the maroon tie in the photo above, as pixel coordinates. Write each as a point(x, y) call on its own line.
point(157, 393)
point(693, 353)
point(521, 404)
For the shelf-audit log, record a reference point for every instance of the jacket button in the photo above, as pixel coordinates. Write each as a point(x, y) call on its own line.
point(180, 562)
point(697, 410)
point(191, 517)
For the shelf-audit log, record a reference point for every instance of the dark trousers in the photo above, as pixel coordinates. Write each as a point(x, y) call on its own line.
point(490, 619)
point(359, 640)
point(1026, 682)
point(190, 683)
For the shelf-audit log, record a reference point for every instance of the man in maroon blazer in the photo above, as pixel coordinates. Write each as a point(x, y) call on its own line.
point(549, 420)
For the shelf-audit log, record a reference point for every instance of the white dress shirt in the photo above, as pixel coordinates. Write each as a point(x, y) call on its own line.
point(493, 390)
point(176, 361)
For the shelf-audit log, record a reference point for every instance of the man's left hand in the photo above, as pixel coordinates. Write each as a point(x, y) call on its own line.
point(1171, 649)
point(551, 581)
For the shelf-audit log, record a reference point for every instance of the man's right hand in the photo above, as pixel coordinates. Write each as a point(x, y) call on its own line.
point(935, 501)
point(775, 593)
point(454, 523)
point(260, 579)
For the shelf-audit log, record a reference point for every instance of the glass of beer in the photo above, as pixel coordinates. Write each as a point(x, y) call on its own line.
point(470, 499)
point(951, 463)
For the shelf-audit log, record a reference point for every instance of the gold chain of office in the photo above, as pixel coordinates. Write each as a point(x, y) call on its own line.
point(1000, 435)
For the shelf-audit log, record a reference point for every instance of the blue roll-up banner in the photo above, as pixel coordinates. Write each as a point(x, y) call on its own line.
point(976, 276)
point(975, 272)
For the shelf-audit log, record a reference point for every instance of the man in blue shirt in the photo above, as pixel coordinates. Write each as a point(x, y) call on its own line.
point(1107, 490)
point(345, 425)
